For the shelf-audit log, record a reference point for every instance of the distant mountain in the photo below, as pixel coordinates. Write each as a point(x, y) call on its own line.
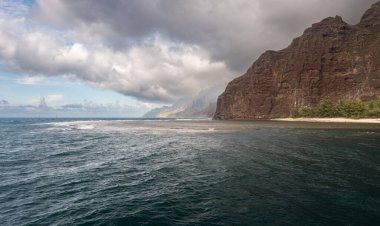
point(201, 106)
point(330, 61)
point(156, 111)
point(197, 111)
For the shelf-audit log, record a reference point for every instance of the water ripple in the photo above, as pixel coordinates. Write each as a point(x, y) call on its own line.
point(120, 172)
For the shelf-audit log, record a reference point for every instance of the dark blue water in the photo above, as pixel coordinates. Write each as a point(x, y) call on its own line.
point(128, 172)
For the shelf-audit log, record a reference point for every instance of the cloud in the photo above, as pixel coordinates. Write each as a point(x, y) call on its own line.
point(155, 70)
point(84, 109)
point(94, 108)
point(48, 100)
point(54, 98)
point(37, 80)
point(234, 32)
point(155, 50)
point(4, 102)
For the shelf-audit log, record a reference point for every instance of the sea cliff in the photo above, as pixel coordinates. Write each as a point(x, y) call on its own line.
point(332, 61)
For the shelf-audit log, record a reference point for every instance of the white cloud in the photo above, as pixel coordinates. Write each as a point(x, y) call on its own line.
point(52, 98)
point(4, 102)
point(154, 50)
point(146, 106)
point(84, 109)
point(234, 32)
point(155, 70)
point(38, 80)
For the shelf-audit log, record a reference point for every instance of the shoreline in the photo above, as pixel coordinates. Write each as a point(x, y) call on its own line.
point(339, 120)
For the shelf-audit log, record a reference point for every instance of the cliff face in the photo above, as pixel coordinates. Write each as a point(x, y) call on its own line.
point(331, 60)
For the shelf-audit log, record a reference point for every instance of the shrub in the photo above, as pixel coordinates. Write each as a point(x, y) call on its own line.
point(344, 108)
point(326, 109)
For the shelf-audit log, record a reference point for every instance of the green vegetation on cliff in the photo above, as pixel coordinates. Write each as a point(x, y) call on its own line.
point(345, 108)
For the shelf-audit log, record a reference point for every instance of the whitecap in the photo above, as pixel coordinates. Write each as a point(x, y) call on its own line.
point(84, 127)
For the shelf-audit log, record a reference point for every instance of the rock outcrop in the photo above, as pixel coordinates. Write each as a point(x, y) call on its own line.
point(331, 60)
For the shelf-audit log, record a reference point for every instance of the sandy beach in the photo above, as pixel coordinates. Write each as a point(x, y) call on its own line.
point(340, 120)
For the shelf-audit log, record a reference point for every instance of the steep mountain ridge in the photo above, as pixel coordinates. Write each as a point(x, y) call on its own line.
point(202, 105)
point(331, 60)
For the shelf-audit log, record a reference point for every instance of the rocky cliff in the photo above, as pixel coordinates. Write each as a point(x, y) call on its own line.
point(331, 60)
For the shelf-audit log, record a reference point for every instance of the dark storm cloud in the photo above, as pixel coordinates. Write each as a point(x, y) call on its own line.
point(235, 32)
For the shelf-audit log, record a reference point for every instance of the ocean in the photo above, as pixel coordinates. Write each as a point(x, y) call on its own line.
point(188, 172)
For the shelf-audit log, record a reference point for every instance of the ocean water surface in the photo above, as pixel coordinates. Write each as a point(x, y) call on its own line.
point(188, 172)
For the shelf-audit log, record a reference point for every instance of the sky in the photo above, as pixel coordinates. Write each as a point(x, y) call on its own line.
point(121, 58)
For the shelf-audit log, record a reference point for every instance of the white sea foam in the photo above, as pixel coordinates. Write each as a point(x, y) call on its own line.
point(84, 127)
point(139, 126)
point(73, 125)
